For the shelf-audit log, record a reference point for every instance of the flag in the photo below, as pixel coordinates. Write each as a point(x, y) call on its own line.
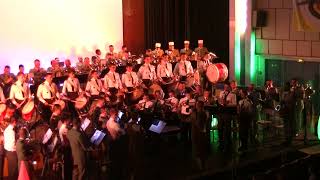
point(306, 15)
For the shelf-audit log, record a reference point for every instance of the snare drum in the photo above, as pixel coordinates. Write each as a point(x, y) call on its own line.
point(82, 105)
point(217, 72)
point(28, 110)
point(61, 103)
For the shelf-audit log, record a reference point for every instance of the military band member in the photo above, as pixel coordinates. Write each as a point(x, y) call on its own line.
point(124, 53)
point(172, 52)
point(37, 73)
point(299, 96)
point(145, 103)
point(71, 86)
point(158, 52)
point(164, 70)
point(186, 105)
point(201, 50)
point(47, 93)
point(6, 80)
point(20, 91)
point(183, 68)
point(67, 67)
point(112, 82)
point(86, 68)
point(186, 48)
point(111, 53)
point(94, 86)
point(21, 68)
point(227, 100)
point(147, 72)
point(129, 79)
point(79, 64)
point(55, 69)
point(172, 104)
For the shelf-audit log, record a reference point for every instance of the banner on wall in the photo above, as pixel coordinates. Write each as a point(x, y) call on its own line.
point(306, 15)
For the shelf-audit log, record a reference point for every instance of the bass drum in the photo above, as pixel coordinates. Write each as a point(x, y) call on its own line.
point(28, 111)
point(217, 72)
point(61, 103)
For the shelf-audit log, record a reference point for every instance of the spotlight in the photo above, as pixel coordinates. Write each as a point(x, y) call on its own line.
point(300, 60)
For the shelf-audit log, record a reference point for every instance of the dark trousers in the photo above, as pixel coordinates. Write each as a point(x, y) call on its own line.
point(289, 125)
point(244, 126)
point(185, 129)
point(12, 164)
point(79, 172)
point(224, 130)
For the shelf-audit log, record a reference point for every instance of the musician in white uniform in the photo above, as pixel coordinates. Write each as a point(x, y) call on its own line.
point(172, 103)
point(202, 69)
point(47, 93)
point(158, 52)
point(164, 73)
point(112, 82)
point(94, 86)
point(183, 68)
point(19, 92)
point(185, 108)
point(147, 72)
point(129, 81)
point(228, 101)
point(71, 86)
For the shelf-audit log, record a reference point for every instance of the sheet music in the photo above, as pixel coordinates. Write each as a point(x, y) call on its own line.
point(85, 124)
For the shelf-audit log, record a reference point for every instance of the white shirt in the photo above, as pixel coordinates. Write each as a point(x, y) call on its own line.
point(183, 68)
point(71, 85)
point(164, 70)
point(145, 104)
point(9, 138)
point(173, 101)
point(19, 91)
point(47, 91)
point(231, 98)
point(129, 79)
point(112, 80)
point(94, 86)
point(183, 104)
point(147, 71)
point(114, 128)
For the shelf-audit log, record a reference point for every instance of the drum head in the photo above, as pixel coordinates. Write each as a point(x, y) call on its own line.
point(80, 102)
point(2, 108)
point(217, 72)
point(28, 107)
point(61, 103)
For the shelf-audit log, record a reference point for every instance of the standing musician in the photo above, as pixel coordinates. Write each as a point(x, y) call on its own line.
point(183, 68)
point(172, 106)
point(112, 82)
point(10, 148)
point(86, 68)
point(186, 105)
point(67, 67)
point(6, 80)
point(164, 72)
point(227, 100)
point(299, 95)
point(20, 92)
point(186, 49)
point(36, 74)
point(147, 72)
point(157, 52)
point(173, 53)
point(111, 53)
point(94, 86)
point(21, 68)
point(24, 153)
point(202, 69)
point(55, 68)
point(129, 81)
point(201, 50)
point(47, 93)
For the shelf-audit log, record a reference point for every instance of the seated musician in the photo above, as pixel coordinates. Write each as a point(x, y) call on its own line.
point(129, 81)
point(55, 69)
point(227, 100)
point(67, 67)
point(171, 104)
point(47, 93)
point(20, 92)
point(111, 53)
point(145, 103)
point(36, 74)
point(86, 68)
point(172, 52)
point(186, 50)
point(24, 153)
point(180, 91)
point(94, 86)
point(207, 98)
point(147, 72)
point(79, 64)
point(6, 80)
point(186, 105)
point(157, 52)
point(112, 126)
point(164, 70)
point(55, 117)
point(201, 50)
point(71, 86)
point(183, 68)
point(112, 82)
point(124, 54)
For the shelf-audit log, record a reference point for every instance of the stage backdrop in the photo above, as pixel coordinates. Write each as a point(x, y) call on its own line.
point(45, 29)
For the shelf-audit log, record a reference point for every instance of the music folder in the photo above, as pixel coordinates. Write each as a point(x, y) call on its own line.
point(97, 137)
point(157, 126)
